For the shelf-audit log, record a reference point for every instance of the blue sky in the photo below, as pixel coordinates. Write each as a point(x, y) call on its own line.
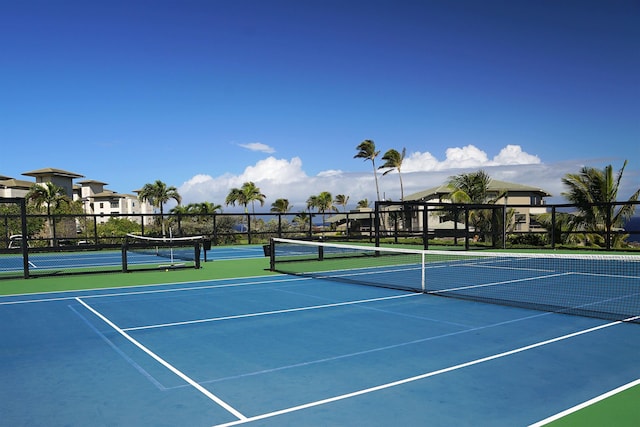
point(207, 94)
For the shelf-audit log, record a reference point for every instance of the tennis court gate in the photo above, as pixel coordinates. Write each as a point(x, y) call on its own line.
point(480, 225)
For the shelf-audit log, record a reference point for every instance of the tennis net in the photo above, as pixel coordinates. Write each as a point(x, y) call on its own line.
point(602, 286)
point(161, 252)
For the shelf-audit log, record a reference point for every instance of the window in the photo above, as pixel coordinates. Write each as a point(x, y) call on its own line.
point(115, 205)
point(536, 200)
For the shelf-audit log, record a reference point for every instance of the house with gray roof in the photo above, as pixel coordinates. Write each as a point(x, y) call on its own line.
point(525, 200)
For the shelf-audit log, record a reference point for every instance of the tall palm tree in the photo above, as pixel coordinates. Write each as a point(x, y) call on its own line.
point(593, 191)
point(342, 200)
point(158, 193)
point(312, 203)
point(323, 202)
point(249, 193)
point(367, 151)
point(393, 161)
point(49, 195)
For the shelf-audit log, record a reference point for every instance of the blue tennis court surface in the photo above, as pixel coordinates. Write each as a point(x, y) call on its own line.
point(295, 351)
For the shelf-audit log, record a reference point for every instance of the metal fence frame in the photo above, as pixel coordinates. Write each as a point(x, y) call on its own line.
point(385, 223)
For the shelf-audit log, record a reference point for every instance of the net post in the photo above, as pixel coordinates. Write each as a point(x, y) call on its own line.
point(25, 237)
point(423, 270)
point(272, 255)
point(320, 253)
point(125, 246)
point(196, 248)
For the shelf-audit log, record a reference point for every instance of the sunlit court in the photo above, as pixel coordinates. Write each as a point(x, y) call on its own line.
point(320, 348)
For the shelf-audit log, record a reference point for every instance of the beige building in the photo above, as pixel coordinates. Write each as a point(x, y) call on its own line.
point(14, 188)
point(96, 199)
point(526, 201)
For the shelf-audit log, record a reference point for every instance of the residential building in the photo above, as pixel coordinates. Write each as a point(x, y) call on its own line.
point(526, 201)
point(96, 199)
point(13, 188)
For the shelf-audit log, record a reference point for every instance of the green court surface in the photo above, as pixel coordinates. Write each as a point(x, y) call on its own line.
point(222, 269)
point(619, 409)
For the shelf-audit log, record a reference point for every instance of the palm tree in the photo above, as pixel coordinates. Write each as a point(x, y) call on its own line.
point(473, 188)
point(180, 210)
point(206, 208)
point(49, 195)
point(312, 203)
point(281, 206)
point(302, 220)
point(248, 193)
point(367, 151)
point(364, 203)
point(342, 200)
point(323, 202)
point(593, 191)
point(158, 194)
point(393, 161)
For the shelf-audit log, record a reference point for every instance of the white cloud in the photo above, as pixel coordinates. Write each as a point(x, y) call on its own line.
point(282, 178)
point(419, 162)
point(330, 172)
point(279, 171)
point(467, 157)
point(513, 155)
point(258, 146)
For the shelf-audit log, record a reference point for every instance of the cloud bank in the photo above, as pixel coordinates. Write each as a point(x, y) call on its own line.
point(282, 178)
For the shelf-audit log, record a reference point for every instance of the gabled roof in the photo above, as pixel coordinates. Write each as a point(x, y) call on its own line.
point(494, 185)
point(53, 171)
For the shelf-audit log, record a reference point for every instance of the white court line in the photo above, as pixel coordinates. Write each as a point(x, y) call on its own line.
point(166, 364)
point(585, 404)
point(421, 376)
point(266, 313)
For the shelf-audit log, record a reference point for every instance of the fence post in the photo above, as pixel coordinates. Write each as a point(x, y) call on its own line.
point(553, 227)
point(25, 237)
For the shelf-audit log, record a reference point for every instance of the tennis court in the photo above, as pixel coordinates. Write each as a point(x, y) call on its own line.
point(105, 260)
point(284, 350)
